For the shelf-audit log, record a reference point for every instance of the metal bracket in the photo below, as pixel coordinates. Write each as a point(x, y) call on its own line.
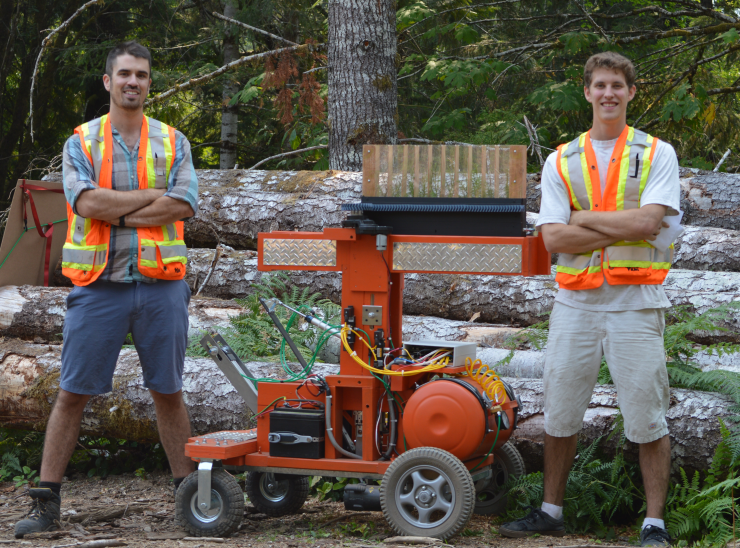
point(372, 315)
point(232, 367)
point(204, 485)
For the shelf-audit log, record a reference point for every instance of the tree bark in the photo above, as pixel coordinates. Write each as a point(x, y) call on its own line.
point(705, 248)
point(236, 205)
point(29, 377)
point(362, 79)
point(229, 114)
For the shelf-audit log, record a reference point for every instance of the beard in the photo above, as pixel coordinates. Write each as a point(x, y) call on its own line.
point(127, 104)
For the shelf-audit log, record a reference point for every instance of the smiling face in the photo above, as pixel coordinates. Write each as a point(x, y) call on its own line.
point(129, 83)
point(609, 96)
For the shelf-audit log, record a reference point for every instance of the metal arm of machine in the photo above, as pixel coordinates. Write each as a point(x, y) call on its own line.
point(232, 367)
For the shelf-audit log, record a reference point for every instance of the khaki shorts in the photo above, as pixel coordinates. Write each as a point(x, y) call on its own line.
point(632, 342)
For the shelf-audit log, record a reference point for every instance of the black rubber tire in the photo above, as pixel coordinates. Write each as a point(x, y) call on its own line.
point(225, 490)
point(287, 497)
point(398, 482)
point(491, 499)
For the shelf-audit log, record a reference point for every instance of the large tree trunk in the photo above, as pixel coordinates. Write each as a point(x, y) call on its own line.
point(29, 377)
point(229, 114)
point(362, 79)
point(236, 205)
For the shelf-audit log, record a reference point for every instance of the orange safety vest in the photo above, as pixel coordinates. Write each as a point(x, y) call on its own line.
point(622, 263)
point(161, 252)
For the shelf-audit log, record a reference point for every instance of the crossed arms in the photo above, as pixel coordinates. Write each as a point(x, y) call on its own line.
point(590, 230)
point(142, 208)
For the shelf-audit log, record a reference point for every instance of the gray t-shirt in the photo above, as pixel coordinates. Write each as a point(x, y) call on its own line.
point(662, 188)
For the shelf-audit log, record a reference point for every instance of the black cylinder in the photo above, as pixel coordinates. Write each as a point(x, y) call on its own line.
point(362, 497)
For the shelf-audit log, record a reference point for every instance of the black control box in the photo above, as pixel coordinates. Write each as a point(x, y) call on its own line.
point(301, 433)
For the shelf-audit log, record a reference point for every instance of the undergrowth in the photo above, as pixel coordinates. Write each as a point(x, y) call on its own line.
point(699, 509)
point(252, 334)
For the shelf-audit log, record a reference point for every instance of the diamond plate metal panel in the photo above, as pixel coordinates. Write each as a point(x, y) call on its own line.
point(284, 252)
point(442, 257)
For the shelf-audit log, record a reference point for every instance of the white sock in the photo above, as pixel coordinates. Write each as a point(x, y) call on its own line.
point(552, 510)
point(652, 521)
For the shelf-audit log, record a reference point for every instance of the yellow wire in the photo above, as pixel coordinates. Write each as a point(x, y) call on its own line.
point(439, 364)
point(487, 379)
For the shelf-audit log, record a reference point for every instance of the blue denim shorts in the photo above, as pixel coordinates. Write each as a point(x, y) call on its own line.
point(100, 315)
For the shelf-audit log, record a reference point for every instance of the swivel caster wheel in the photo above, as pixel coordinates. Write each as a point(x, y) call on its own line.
point(277, 494)
point(491, 498)
point(224, 515)
point(427, 492)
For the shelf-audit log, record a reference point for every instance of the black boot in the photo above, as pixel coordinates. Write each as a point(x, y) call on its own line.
point(44, 514)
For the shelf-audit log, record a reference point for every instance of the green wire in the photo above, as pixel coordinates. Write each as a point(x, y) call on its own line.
point(498, 431)
point(21, 236)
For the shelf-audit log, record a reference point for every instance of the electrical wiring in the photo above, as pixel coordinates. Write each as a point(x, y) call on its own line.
point(427, 366)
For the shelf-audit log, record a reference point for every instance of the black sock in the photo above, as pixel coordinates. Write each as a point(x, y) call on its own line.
point(177, 482)
point(55, 487)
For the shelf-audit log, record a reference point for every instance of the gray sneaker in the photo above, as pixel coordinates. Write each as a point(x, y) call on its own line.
point(536, 522)
point(652, 535)
point(44, 514)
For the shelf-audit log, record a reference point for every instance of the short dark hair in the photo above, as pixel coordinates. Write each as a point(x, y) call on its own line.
point(609, 60)
point(133, 48)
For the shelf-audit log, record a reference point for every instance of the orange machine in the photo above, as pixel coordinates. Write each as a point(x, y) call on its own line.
point(424, 417)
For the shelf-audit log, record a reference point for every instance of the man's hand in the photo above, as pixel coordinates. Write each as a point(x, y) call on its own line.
point(106, 203)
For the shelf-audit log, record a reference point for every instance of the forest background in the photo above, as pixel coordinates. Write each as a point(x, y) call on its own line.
point(466, 71)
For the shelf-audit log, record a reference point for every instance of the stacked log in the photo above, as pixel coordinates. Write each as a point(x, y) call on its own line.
point(29, 375)
point(236, 205)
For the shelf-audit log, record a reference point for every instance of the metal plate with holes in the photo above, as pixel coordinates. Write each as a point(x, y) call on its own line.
point(289, 252)
point(451, 257)
point(372, 315)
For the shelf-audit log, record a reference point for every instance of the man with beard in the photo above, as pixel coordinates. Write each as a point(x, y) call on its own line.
point(129, 182)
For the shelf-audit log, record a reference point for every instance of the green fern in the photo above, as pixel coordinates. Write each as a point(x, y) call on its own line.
point(253, 336)
point(596, 491)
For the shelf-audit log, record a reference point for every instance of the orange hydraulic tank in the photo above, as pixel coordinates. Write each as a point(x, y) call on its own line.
point(447, 415)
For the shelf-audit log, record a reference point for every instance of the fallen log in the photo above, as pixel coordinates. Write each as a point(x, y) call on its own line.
point(37, 313)
point(511, 300)
point(29, 382)
point(237, 204)
point(29, 376)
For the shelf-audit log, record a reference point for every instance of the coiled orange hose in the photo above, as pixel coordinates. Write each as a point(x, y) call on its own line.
point(488, 380)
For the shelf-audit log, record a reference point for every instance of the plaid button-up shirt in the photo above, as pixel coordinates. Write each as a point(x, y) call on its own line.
point(78, 175)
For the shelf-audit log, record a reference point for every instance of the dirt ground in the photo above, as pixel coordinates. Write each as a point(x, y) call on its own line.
point(147, 520)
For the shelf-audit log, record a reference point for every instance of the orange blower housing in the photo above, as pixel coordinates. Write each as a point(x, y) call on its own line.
point(452, 414)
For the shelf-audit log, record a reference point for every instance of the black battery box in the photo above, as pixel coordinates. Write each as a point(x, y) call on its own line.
point(297, 433)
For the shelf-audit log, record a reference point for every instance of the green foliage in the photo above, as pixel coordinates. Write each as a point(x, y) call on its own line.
point(703, 509)
point(682, 106)
point(332, 489)
point(596, 491)
point(363, 529)
point(253, 336)
point(20, 455)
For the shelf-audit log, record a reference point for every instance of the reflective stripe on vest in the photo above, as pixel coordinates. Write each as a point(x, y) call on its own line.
point(85, 253)
point(629, 167)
